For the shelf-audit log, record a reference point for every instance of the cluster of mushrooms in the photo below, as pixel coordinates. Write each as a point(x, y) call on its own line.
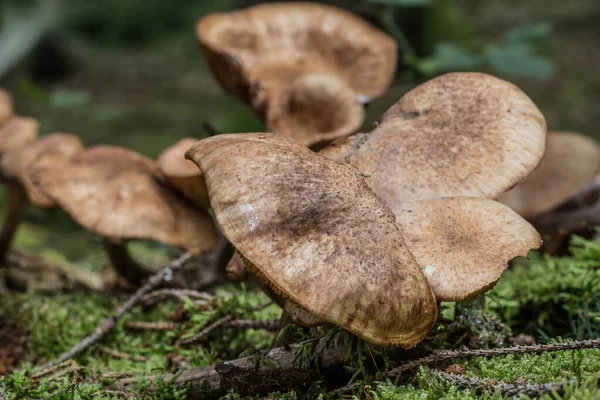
point(368, 232)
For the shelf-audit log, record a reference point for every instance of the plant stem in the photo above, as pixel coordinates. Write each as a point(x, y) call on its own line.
point(123, 263)
point(17, 201)
point(387, 19)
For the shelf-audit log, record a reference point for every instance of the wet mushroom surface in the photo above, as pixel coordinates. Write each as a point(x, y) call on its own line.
point(315, 233)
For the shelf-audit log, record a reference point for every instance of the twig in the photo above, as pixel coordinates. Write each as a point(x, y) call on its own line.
point(162, 294)
point(269, 325)
point(204, 332)
point(444, 355)
point(121, 355)
point(151, 326)
point(508, 389)
point(165, 274)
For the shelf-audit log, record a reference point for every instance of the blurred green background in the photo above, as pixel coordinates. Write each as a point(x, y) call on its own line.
point(131, 72)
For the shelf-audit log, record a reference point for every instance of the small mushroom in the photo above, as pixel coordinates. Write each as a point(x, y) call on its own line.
point(120, 195)
point(315, 233)
point(460, 134)
point(571, 161)
point(16, 132)
point(183, 174)
point(15, 170)
point(463, 244)
point(304, 68)
point(6, 107)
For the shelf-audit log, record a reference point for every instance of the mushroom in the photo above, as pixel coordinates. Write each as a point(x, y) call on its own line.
point(460, 134)
point(571, 161)
point(15, 133)
point(6, 109)
point(183, 174)
point(120, 195)
point(306, 69)
point(463, 244)
point(315, 233)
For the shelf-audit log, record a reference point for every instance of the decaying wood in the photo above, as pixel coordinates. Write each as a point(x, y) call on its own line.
point(165, 274)
point(277, 369)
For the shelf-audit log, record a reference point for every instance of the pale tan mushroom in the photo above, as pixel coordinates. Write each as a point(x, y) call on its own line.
point(463, 244)
point(460, 134)
point(14, 168)
point(183, 174)
point(121, 195)
point(274, 57)
point(312, 230)
point(571, 161)
point(6, 106)
point(17, 132)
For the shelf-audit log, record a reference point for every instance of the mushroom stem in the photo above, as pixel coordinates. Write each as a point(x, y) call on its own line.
point(123, 263)
point(15, 208)
point(221, 255)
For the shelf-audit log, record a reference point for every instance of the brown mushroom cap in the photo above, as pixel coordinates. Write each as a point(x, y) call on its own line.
point(16, 132)
point(16, 163)
point(570, 162)
point(6, 106)
point(314, 109)
point(119, 194)
point(315, 232)
point(261, 53)
point(183, 174)
point(461, 134)
point(463, 244)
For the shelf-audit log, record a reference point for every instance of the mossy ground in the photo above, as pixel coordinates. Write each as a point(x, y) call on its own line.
point(562, 289)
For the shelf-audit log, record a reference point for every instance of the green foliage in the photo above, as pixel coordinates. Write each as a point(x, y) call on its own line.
point(553, 296)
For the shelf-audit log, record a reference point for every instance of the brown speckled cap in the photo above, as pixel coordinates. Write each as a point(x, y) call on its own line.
point(16, 132)
point(463, 244)
point(261, 53)
point(183, 174)
point(17, 164)
point(119, 194)
point(570, 162)
point(312, 229)
point(460, 134)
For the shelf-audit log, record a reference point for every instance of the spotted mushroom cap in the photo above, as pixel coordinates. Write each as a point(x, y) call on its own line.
point(314, 231)
point(570, 162)
point(183, 174)
point(120, 194)
point(16, 132)
point(460, 134)
point(16, 163)
point(263, 52)
point(6, 106)
point(463, 244)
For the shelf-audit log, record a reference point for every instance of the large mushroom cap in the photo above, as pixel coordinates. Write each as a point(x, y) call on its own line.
point(461, 134)
point(257, 54)
point(315, 232)
point(463, 244)
point(16, 132)
point(316, 109)
point(119, 194)
point(6, 106)
point(570, 162)
point(16, 164)
point(183, 174)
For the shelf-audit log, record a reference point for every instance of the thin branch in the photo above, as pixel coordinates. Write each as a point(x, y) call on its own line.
point(204, 332)
point(444, 355)
point(165, 274)
point(151, 326)
point(269, 325)
point(508, 389)
point(162, 294)
point(121, 355)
